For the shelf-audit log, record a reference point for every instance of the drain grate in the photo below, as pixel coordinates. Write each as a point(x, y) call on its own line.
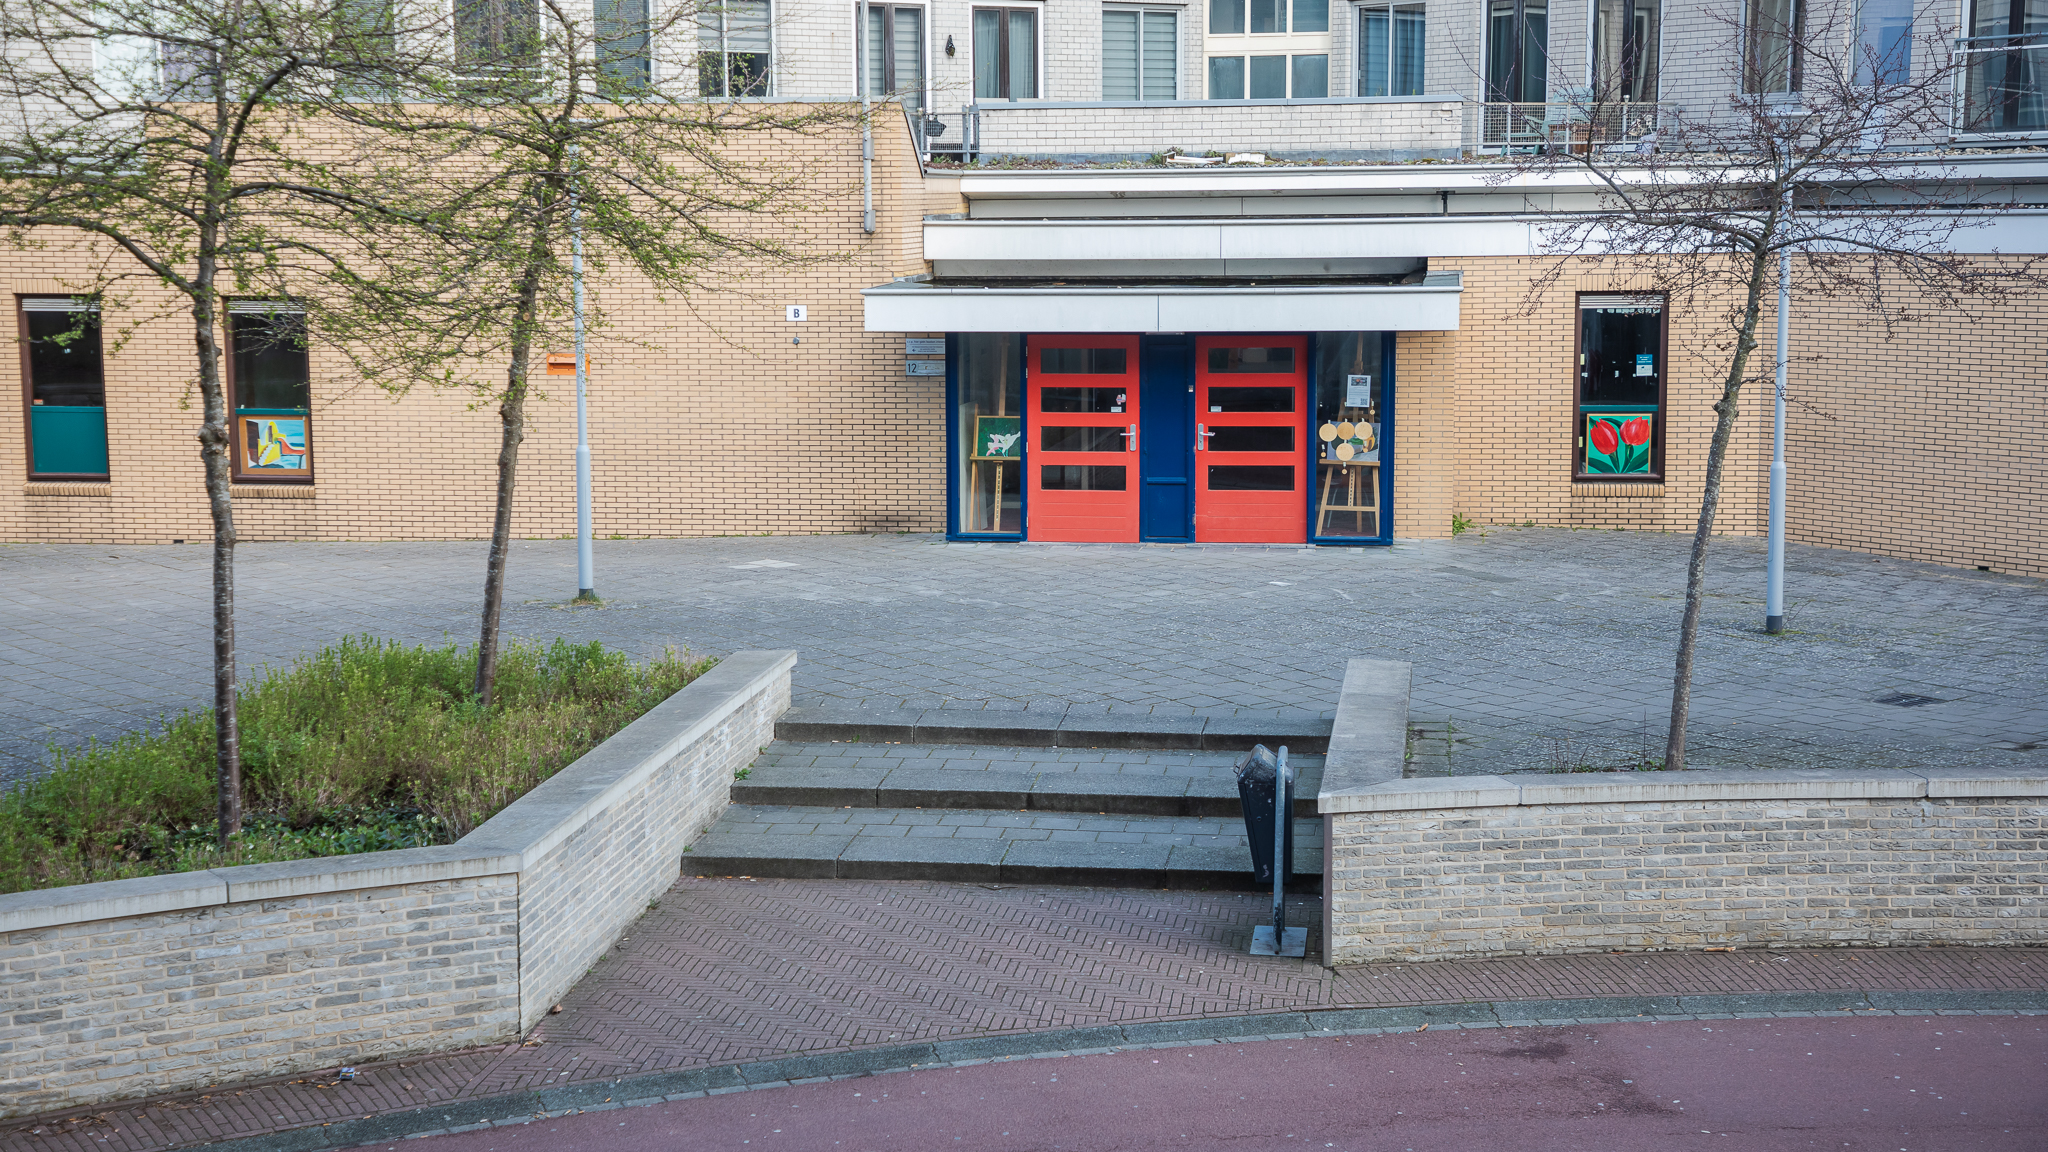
point(1907, 700)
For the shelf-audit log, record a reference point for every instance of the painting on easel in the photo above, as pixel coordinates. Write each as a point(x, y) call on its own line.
point(998, 438)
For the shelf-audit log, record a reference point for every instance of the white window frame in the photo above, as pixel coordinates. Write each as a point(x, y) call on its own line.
point(1179, 33)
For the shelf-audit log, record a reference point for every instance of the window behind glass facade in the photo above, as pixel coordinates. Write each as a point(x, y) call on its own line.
point(1006, 54)
point(1140, 60)
point(270, 389)
point(734, 42)
point(66, 385)
point(1620, 433)
point(1390, 47)
point(1517, 50)
point(1625, 42)
point(1771, 33)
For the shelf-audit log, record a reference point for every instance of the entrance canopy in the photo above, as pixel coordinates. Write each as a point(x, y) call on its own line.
point(918, 305)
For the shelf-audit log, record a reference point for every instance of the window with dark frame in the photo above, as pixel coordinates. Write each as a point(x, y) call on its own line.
point(2005, 86)
point(63, 387)
point(1770, 45)
point(270, 387)
point(1006, 53)
point(895, 53)
point(735, 46)
point(1620, 390)
point(1517, 51)
point(1626, 37)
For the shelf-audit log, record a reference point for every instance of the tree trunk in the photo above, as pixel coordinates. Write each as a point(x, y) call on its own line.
point(216, 446)
point(512, 424)
point(1710, 498)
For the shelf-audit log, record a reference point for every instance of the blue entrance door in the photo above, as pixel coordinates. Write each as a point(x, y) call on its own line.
point(1166, 454)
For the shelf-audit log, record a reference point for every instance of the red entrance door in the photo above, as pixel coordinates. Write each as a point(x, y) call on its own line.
point(1250, 393)
point(1083, 459)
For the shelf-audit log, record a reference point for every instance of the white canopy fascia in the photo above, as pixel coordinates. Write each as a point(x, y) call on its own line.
point(917, 306)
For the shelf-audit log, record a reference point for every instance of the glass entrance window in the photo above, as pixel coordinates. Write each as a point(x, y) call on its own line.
point(1005, 54)
point(895, 54)
point(1517, 50)
point(1349, 428)
point(1390, 48)
point(270, 381)
point(65, 380)
point(1625, 39)
point(989, 434)
point(1620, 433)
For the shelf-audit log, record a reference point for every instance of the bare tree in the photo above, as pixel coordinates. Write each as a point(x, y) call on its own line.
point(156, 135)
point(1828, 145)
point(543, 128)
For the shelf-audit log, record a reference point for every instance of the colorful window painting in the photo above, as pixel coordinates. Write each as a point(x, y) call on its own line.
point(1619, 444)
point(274, 444)
point(998, 437)
point(1620, 387)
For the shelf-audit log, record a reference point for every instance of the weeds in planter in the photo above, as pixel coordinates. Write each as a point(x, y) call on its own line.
point(365, 746)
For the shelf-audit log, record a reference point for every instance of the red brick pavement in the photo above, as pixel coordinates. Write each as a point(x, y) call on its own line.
point(731, 970)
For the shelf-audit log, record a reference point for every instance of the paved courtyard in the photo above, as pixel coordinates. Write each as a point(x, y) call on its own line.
point(1534, 649)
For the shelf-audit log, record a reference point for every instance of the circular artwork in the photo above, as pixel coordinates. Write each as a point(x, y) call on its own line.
point(1328, 432)
point(1345, 429)
point(1345, 451)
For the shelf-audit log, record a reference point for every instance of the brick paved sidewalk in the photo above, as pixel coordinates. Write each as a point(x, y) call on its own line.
point(730, 970)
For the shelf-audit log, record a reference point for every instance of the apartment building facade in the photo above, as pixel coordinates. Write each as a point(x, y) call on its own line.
point(1119, 338)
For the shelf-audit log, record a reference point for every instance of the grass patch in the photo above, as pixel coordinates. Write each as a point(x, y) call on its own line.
point(365, 746)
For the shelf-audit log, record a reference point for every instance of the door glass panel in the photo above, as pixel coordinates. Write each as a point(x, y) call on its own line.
point(1346, 434)
point(1083, 361)
point(1252, 439)
point(1081, 439)
point(1251, 399)
point(1081, 477)
point(1251, 477)
point(1252, 360)
point(1081, 400)
point(990, 479)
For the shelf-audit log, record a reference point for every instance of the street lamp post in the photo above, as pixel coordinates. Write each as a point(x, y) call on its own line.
point(586, 568)
point(1774, 564)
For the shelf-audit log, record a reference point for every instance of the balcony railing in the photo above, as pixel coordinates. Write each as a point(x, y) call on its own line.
point(946, 135)
point(2004, 85)
point(1574, 126)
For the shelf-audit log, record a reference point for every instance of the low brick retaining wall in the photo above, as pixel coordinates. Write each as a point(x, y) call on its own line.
point(1499, 866)
point(137, 987)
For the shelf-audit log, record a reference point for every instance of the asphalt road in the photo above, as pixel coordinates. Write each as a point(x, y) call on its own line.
point(1933, 1084)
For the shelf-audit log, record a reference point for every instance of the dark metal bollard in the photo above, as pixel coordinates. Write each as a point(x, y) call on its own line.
point(1265, 789)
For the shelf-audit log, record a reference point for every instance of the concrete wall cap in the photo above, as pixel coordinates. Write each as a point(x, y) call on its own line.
point(291, 878)
point(1435, 792)
point(1719, 784)
point(1369, 734)
point(78, 903)
point(552, 812)
point(2017, 781)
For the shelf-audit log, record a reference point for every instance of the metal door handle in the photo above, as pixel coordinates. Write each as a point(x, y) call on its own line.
point(1132, 436)
point(1201, 438)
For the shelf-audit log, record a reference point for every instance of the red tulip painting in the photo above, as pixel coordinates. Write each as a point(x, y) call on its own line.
point(1618, 449)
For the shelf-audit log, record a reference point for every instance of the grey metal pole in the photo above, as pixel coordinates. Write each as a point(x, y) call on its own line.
point(867, 131)
point(1774, 564)
point(586, 567)
point(1280, 861)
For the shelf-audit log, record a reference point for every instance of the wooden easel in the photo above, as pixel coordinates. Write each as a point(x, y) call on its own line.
point(1359, 498)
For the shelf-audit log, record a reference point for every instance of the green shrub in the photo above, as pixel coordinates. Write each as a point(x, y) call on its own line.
point(364, 746)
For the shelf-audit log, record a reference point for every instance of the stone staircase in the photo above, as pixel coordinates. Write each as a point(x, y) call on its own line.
point(1023, 799)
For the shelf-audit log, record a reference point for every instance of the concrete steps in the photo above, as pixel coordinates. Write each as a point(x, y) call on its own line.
point(1054, 728)
point(1114, 816)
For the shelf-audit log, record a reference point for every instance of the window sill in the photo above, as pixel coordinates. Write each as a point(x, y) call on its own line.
point(102, 488)
point(1612, 489)
point(271, 491)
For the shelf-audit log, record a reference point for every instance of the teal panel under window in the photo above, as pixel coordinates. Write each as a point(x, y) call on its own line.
point(70, 439)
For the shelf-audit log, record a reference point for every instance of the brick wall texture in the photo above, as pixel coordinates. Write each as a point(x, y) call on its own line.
point(144, 1004)
point(578, 899)
point(1585, 877)
point(165, 1002)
